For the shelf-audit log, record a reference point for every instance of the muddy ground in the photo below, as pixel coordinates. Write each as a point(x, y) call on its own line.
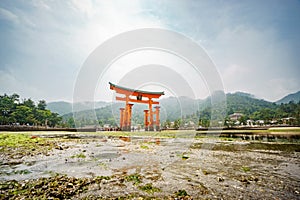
point(147, 167)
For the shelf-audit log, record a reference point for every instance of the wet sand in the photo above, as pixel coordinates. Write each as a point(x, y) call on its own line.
point(151, 167)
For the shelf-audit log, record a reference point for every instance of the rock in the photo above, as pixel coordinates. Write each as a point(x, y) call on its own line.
point(245, 180)
point(253, 178)
point(59, 148)
point(69, 185)
point(220, 179)
point(205, 172)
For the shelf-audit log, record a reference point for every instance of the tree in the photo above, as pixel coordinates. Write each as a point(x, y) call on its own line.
point(7, 106)
point(15, 98)
point(43, 116)
point(29, 103)
point(71, 122)
point(243, 120)
point(20, 114)
point(168, 123)
point(12, 111)
point(42, 105)
point(54, 119)
point(177, 123)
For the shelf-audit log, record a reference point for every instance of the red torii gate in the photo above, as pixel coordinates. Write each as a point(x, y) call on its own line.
point(125, 113)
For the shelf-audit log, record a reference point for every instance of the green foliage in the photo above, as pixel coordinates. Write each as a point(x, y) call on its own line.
point(245, 168)
point(245, 104)
point(99, 178)
point(71, 122)
point(42, 105)
point(291, 97)
point(149, 188)
point(18, 140)
point(135, 178)
point(181, 193)
point(104, 115)
point(62, 107)
point(12, 111)
point(177, 112)
point(54, 187)
point(17, 145)
point(80, 155)
point(177, 123)
point(144, 147)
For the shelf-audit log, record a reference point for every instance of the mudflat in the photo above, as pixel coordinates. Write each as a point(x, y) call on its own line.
point(162, 165)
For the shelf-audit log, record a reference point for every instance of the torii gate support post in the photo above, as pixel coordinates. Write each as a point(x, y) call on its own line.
point(151, 127)
point(157, 121)
point(125, 127)
point(122, 111)
point(146, 120)
point(129, 116)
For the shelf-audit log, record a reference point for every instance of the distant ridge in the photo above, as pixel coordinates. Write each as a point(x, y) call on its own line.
point(62, 107)
point(295, 97)
point(244, 94)
point(173, 108)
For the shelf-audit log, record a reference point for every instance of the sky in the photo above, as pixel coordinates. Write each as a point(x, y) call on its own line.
point(254, 45)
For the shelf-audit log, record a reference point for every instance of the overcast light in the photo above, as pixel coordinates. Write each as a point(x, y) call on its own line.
point(254, 44)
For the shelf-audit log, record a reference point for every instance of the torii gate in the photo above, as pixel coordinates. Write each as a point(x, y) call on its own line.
point(125, 113)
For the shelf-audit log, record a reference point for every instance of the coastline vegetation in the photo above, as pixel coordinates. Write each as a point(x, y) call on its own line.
point(14, 111)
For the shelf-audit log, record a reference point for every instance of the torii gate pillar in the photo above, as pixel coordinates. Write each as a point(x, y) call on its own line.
point(146, 123)
point(157, 121)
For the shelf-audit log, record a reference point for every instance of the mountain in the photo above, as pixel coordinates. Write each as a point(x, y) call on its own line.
point(213, 108)
point(173, 108)
point(243, 94)
point(295, 97)
point(245, 103)
point(170, 108)
point(62, 107)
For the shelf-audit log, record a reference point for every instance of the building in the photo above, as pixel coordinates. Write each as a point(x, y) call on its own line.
point(235, 116)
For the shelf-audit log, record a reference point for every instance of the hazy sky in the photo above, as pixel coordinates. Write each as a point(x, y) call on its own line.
point(255, 45)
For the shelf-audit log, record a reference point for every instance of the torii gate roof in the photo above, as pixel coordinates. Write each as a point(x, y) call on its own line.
point(133, 92)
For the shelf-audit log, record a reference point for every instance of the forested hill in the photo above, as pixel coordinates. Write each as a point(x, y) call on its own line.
point(295, 97)
point(191, 110)
point(246, 103)
point(62, 107)
point(14, 111)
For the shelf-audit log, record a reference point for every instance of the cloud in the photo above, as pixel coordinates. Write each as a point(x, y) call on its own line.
point(41, 4)
point(10, 84)
point(84, 7)
point(279, 87)
point(9, 16)
point(249, 58)
point(235, 74)
point(107, 19)
point(253, 44)
point(48, 48)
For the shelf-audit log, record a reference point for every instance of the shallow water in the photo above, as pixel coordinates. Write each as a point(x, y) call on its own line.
point(211, 167)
